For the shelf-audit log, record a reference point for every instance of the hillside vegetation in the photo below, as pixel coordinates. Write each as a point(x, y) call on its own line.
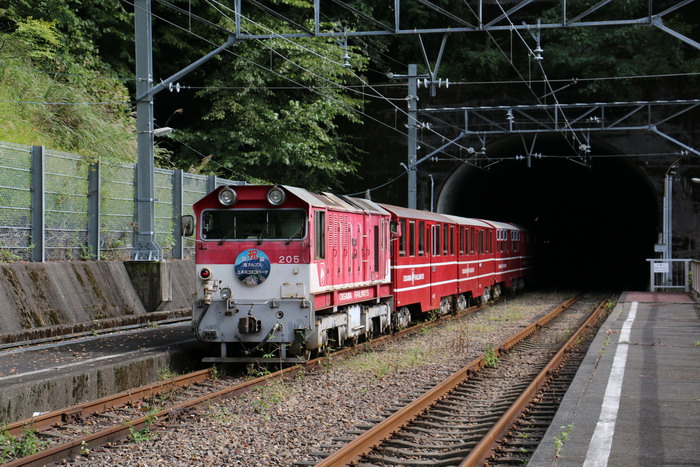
point(61, 104)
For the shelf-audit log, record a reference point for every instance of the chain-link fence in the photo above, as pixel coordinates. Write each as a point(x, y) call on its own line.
point(83, 210)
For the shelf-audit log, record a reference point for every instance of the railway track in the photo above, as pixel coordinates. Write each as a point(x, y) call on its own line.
point(72, 431)
point(459, 421)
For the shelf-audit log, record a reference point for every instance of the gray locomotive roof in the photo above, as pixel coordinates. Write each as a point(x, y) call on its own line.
point(329, 200)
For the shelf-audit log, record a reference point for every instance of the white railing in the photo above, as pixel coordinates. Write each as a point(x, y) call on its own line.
point(695, 279)
point(671, 274)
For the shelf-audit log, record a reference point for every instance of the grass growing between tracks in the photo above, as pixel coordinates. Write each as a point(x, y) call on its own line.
point(15, 448)
point(385, 362)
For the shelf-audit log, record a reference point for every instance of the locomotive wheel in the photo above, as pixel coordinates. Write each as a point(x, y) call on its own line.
point(461, 302)
point(496, 291)
point(486, 296)
point(402, 318)
point(445, 305)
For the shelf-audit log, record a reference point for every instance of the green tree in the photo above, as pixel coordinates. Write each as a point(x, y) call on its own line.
point(271, 108)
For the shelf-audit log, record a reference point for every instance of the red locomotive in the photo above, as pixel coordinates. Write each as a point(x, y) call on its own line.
point(282, 270)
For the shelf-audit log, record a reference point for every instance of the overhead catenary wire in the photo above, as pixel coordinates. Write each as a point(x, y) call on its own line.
point(523, 80)
point(364, 83)
point(312, 89)
point(373, 88)
point(380, 95)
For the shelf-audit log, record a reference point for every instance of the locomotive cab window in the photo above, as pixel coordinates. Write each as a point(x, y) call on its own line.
point(258, 224)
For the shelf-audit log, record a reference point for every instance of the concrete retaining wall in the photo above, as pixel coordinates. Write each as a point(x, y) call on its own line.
point(51, 296)
point(22, 400)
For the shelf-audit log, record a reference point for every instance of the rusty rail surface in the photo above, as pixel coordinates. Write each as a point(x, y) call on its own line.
point(363, 444)
point(484, 449)
point(75, 413)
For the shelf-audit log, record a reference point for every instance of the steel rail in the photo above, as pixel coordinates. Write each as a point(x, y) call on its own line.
point(76, 412)
point(363, 444)
point(75, 447)
point(484, 449)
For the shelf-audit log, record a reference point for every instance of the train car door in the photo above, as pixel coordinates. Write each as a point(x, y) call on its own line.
point(435, 258)
point(481, 264)
point(358, 251)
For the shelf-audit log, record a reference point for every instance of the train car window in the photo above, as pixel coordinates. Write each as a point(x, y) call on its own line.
point(320, 231)
point(402, 238)
point(421, 238)
point(481, 242)
point(461, 240)
point(445, 239)
point(254, 224)
point(436, 241)
point(452, 239)
point(412, 238)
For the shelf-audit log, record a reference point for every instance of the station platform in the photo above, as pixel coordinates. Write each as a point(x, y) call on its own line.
point(635, 400)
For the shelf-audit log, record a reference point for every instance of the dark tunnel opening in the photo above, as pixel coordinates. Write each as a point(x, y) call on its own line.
point(593, 226)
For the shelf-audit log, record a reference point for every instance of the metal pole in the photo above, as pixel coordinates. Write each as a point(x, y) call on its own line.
point(94, 211)
point(38, 231)
point(668, 231)
point(211, 183)
point(412, 134)
point(145, 246)
point(432, 191)
point(178, 248)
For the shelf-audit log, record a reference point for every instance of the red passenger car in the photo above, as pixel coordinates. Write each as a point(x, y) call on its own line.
point(442, 261)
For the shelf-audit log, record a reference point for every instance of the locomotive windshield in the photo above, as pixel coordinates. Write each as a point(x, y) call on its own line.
point(259, 224)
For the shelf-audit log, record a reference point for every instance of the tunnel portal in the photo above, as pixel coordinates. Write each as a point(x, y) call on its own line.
point(594, 224)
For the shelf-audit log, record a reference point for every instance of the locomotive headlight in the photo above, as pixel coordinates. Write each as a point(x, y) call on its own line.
point(276, 196)
point(204, 274)
point(225, 293)
point(227, 196)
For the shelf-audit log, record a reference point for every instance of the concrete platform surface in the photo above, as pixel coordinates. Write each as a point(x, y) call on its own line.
point(635, 400)
point(52, 376)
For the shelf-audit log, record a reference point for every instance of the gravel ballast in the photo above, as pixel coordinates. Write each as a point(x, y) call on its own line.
point(284, 421)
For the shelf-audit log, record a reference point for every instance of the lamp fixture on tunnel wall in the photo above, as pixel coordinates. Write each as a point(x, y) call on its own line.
point(695, 180)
